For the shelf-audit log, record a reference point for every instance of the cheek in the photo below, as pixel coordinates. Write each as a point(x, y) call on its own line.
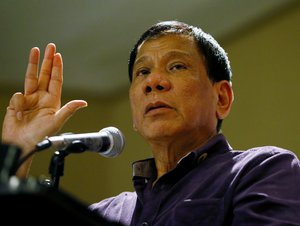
point(134, 103)
point(192, 93)
point(197, 99)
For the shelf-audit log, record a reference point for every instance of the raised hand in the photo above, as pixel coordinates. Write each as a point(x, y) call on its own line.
point(37, 113)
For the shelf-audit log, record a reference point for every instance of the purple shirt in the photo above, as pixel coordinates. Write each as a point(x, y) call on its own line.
point(213, 186)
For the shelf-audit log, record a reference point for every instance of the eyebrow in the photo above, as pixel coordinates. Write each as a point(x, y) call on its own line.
point(174, 53)
point(141, 59)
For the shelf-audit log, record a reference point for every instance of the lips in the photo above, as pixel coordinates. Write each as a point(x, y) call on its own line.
point(156, 105)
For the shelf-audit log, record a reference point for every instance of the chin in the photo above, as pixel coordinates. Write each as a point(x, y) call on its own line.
point(159, 131)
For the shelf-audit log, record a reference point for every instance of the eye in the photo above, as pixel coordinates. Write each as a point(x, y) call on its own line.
point(177, 66)
point(142, 71)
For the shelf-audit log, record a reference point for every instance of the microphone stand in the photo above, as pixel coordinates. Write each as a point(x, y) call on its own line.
point(56, 167)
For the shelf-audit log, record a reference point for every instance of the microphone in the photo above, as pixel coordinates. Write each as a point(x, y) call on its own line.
point(108, 142)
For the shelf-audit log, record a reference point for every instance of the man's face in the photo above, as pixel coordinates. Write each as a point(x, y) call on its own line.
point(171, 95)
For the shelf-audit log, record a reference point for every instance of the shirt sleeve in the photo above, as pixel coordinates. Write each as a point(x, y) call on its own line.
point(116, 209)
point(268, 191)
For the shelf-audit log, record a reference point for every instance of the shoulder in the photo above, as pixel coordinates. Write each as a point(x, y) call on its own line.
point(263, 153)
point(264, 185)
point(265, 161)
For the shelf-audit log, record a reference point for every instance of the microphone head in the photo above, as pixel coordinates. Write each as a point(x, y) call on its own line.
point(117, 142)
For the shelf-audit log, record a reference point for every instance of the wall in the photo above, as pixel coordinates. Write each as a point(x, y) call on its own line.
point(265, 62)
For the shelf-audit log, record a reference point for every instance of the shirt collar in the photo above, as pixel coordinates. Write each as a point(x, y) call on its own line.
point(146, 168)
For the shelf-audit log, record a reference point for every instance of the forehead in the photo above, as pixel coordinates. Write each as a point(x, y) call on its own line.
point(173, 44)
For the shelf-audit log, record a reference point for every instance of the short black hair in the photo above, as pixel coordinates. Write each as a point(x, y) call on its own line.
point(216, 60)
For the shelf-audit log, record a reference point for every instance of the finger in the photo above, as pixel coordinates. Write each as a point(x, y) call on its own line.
point(68, 110)
point(31, 81)
point(46, 68)
point(16, 105)
point(56, 80)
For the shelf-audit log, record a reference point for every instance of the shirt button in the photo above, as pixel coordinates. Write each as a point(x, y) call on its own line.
point(202, 157)
point(145, 224)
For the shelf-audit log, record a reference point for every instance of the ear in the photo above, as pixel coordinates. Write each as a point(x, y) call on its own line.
point(225, 98)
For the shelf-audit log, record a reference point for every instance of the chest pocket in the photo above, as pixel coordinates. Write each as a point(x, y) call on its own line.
point(197, 212)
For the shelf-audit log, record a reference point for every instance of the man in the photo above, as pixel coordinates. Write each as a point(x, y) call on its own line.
point(180, 92)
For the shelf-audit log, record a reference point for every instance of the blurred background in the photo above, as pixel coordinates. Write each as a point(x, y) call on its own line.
point(95, 38)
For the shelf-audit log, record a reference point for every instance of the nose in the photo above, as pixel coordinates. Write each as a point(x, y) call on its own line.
point(156, 82)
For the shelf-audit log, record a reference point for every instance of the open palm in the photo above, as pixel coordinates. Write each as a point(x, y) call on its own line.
point(37, 112)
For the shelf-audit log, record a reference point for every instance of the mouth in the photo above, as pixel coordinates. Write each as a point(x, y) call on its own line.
point(157, 105)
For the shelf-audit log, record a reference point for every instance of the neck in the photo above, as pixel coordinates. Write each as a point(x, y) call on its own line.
point(167, 152)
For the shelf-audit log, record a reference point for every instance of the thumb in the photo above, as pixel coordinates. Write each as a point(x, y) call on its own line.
point(63, 114)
